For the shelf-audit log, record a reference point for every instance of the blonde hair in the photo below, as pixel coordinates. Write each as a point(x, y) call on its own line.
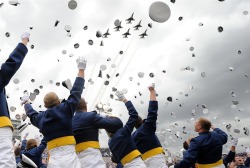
point(51, 100)
point(31, 143)
point(205, 124)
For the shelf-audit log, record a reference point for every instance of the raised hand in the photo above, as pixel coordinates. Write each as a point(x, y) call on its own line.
point(81, 63)
point(120, 96)
point(234, 141)
point(25, 98)
point(17, 143)
point(26, 135)
point(151, 87)
point(25, 38)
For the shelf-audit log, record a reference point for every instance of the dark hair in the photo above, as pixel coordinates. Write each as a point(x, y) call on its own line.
point(17, 151)
point(82, 105)
point(117, 125)
point(185, 145)
point(138, 122)
point(205, 124)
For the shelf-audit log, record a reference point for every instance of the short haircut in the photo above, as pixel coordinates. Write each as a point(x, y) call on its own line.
point(31, 143)
point(82, 105)
point(118, 123)
point(50, 100)
point(205, 124)
point(139, 122)
point(17, 151)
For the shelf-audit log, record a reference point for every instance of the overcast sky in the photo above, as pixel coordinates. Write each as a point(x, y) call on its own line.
point(167, 47)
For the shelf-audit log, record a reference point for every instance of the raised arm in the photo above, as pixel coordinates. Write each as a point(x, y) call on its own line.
point(133, 115)
point(77, 89)
point(152, 91)
point(247, 162)
point(223, 135)
point(23, 147)
point(231, 154)
point(150, 122)
point(106, 122)
point(39, 150)
point(190, 156)
point(12, 64)
point(32, 114)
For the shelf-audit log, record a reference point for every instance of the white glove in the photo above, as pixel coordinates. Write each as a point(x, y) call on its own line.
point(81, 63)
point(120, 96)
point(234, 141)
point(248, 150)
point(25, 136)
point(17, 143)
point(151, 86)
point(25, 98)
point(103, 115)
point(25, 35)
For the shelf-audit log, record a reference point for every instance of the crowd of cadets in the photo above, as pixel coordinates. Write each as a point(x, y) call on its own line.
point(70, 131)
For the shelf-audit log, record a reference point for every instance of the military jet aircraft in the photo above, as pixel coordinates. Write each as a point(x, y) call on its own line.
point(126, 34)
point(105, 35)
point(137, 26)
point(129, 20)
point(143, 34)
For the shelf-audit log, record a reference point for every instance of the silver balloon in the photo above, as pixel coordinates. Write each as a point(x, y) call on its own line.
point(72, 4)
point(159, 12)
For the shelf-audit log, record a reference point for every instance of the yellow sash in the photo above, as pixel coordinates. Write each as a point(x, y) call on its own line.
point(89, 144)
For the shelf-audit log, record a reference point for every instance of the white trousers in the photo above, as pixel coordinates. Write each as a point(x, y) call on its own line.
point(91, 158)
point(158, 161)
point(135, 163)
point(63, 157)
point(7, 157)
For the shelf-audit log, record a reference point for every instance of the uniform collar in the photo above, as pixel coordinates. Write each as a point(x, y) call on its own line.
point(203, 133)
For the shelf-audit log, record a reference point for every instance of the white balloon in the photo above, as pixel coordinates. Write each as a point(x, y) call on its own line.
point(117, 22)
point(72, 4)
point(159, 12)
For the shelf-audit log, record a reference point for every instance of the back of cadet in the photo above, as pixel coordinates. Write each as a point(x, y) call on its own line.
point(211, 144)
point(56, 123)
point(7, 71)
point(205, 149)
point(121, 143)
point(145, 138)
point(86, 127)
